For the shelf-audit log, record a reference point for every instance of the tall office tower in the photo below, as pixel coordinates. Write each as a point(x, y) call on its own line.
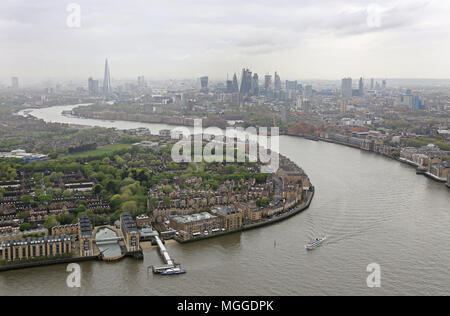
point(277, 82)
point(204, 83)
point(235, 88)
point(15, 83)
point(308, 92)
point(372, 84)
point(384, 84)
point(347, 87)
point(291, 85)
point(255, 84)
point(361, 87)
point(291, 89)
point(107, 80)
point(268, 83)
point(229, 86)
point(93, 86)
point(246, 82)
point(142, 84)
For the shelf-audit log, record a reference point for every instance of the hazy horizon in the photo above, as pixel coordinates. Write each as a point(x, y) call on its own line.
point(325, 40)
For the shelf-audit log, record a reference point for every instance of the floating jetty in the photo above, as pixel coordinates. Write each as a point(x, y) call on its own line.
point(170, 266)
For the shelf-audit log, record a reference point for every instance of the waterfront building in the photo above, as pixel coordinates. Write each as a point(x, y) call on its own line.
point(231, 217)
point(85, 236)
point(48, 246)
point(130, 232)
point(251, 211)
point(196, 223)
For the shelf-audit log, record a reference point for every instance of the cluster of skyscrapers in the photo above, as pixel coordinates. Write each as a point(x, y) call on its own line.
point(272, 87)
point(347, 90)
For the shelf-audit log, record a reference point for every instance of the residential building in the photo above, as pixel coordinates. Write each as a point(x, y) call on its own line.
point(48, 246)
point(196, 223)
point(130, 232)
point(85, 236)
point(231, 217)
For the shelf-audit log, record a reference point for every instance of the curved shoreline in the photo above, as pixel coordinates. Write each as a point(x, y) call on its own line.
point(277, 219)
point(297, 210)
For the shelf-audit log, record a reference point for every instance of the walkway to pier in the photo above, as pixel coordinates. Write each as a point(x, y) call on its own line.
point(169, 264)
point(163, 251)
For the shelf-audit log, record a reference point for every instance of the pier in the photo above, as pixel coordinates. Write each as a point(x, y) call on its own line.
point(169, 263)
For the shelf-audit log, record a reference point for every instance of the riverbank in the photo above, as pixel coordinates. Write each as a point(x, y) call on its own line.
point(403, 161)
point(297, 210)
point(43, 263)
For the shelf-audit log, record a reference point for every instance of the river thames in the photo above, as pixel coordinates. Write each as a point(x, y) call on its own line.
point(373, 210)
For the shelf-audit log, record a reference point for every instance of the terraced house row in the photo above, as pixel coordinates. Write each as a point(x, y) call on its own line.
point(44, 247)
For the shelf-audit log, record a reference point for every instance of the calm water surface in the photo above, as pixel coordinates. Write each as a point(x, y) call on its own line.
point(373, 210)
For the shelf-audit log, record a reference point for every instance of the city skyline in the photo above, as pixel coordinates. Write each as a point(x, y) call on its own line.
point(176, 40)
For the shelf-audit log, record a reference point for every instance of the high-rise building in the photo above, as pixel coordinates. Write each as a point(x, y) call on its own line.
point(291, 89)
point(277, 82)
point(361, 87)
point(291, 85)
point(246, 82)
point(268, 83)
point(372, 84)
point(229, 86)
point(93, 86)
point(309, 91)
point(107, 80)
point(235, 86)
point(255, 84)
point(384, 84)
point(347, 88)
point(142, 84)
point(15, 83)
point(204, 83)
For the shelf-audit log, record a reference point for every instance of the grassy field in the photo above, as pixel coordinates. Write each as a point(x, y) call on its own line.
point(100, 151)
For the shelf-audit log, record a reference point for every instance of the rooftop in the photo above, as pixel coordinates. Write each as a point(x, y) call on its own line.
point(193, 218)
point(129, 225)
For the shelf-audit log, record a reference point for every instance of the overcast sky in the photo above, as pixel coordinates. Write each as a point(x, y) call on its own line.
point(322, 39)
